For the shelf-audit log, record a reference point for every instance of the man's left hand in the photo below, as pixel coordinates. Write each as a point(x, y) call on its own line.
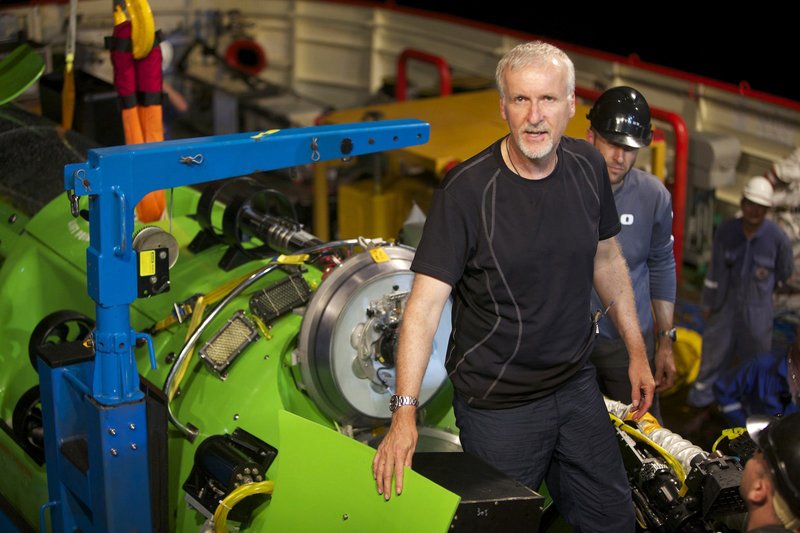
point(665, 366)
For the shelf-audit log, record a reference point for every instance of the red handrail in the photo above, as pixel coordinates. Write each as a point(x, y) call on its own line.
point(681, 170)
point(445, 78)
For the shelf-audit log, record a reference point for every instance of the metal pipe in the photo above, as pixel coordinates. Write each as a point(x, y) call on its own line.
point(680, 186)
point(401, 83)
point(191, 433)
point(280, 234)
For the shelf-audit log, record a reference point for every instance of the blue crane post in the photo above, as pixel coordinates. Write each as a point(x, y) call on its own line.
point(93, 407)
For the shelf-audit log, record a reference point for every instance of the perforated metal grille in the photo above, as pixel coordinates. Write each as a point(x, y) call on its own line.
point(280, 297)
point(228, 343)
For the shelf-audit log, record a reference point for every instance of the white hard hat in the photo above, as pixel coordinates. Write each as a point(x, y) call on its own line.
point(759, 191)
point(167, 53)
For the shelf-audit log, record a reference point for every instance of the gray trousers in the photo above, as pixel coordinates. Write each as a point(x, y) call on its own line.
point(734, 334)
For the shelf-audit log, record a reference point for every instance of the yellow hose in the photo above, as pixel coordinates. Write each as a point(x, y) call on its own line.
point(731, 434)
point(676, 466)
point(237, 495)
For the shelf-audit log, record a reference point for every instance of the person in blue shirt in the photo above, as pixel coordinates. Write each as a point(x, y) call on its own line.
point(620, 126)
point(761, 386)
point(751, 257)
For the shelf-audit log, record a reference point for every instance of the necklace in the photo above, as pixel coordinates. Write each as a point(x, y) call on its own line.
point(508, 151)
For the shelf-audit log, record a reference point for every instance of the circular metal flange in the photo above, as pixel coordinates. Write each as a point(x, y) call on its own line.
point(340, 308)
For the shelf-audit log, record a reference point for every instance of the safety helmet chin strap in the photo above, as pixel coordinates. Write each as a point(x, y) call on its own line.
point(784, 514)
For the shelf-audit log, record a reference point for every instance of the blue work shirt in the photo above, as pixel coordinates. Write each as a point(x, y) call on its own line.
point(645, 212)
point(752, 268)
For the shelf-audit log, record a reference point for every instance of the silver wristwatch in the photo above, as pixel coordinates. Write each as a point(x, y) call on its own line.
point(672, 333)
point(396, 402)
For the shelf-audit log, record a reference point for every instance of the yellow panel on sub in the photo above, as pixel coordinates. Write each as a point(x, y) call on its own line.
point(364, 212)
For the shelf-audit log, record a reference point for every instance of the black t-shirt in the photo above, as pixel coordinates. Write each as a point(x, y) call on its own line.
point(520, 256)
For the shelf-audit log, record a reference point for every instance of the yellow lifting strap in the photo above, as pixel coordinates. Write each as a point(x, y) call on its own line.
point(187, 309)
point(143, 27)
point(68, 90)
point(668, 457)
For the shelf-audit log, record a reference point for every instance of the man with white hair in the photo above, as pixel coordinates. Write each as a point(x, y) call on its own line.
point(519, 234)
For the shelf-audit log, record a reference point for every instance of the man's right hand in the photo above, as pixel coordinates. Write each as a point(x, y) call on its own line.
point(395, 451)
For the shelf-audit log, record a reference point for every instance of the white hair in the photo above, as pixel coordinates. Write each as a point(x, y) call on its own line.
point(533, 53)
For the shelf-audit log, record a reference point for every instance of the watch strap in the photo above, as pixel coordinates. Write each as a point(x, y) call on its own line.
point(671, 333)
point(397, 401)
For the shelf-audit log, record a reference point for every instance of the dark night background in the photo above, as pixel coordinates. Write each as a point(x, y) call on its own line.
point(757, 44)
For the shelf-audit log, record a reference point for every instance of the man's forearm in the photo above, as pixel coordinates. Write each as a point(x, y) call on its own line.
point(664, 313)
point(420, 321)
point(613, 285)
point(417, 330)
point(664, 360)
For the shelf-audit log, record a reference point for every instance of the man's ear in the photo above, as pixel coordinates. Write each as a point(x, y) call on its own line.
point(590, 135)
point(760, 490)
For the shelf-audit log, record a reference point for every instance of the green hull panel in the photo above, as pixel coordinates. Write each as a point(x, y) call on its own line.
point(330, 475)
point(322, 478)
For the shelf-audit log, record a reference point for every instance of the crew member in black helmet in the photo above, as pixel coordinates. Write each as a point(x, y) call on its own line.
point(770, 483)
point(620, 126)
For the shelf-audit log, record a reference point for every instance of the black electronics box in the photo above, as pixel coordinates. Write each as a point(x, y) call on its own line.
point(490, 500)
point(97, 112)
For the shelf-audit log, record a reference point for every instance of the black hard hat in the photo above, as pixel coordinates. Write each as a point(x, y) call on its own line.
point(621, 115)
point(780, 442)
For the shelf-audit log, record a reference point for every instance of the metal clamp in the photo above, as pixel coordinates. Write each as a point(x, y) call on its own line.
point(74, 208)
